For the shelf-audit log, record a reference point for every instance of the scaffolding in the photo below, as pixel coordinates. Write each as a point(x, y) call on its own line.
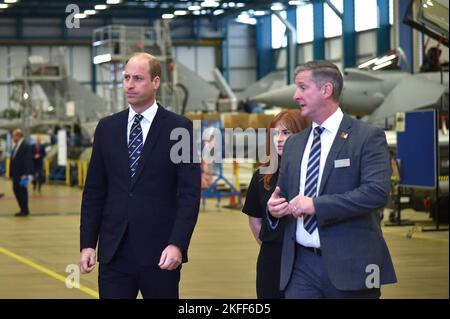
point(40, 81)
point(114, 44)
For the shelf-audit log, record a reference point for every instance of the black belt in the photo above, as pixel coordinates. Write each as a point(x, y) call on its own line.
point(316, 251)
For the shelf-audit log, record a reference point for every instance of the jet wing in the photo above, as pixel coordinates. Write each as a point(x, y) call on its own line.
point(271, 81)
point(411, 93)
point(357, 75)
point(280, 97)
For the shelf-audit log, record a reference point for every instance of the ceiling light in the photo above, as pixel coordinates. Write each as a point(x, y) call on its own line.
point(193, 8)
point(377, 67)
point(367, 63)
point(102, 58)
point(3, 6)
point(385, 59)
point(259, 13)
point(251, 21)
point(79, 16)
point(276, 6)
point(218, 12)
point(167, 16)
point(90, 12)
point(180, 12)
point(100, 7)
point(244, 17)
point(210, 4)
point(113, 1)
point(10, 1)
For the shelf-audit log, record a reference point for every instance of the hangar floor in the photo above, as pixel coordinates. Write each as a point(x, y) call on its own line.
point(35, 252)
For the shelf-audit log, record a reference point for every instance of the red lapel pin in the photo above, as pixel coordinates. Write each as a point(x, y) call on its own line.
point(343, 135)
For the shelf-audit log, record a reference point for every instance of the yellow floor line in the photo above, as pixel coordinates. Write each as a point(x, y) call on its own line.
point(415, 235)
point(443, 240)
point(47, 271)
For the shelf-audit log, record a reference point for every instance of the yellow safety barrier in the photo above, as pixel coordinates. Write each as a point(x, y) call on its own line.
point(234, 200)
point(78, 164)
point(47, 170)
point(80, 174)
point(68, 172)
point(85, 169)
point(7, 167)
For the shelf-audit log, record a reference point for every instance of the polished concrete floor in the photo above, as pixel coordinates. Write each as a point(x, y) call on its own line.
point(38, 252)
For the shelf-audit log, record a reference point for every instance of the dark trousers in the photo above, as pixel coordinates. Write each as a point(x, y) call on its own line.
point(310, 280)
point(268, 271)
point(123, 277)
point(38, 178)
point(21, 193)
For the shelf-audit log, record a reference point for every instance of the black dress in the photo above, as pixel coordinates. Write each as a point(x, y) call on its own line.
point(269, 258)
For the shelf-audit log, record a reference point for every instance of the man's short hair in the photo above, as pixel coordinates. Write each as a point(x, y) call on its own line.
point(153, 63)
point(18, 131)
point(323, 72)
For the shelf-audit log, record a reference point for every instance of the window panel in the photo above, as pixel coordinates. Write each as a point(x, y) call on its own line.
point(366, 15)
point(332, 23)
point(279, 38)
point(305, 23)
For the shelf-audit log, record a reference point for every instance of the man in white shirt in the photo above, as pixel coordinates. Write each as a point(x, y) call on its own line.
point(333, 179)
point(139, 206)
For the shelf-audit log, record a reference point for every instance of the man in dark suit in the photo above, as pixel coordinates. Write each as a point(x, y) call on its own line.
point(20, 169)
point(139, 204)
point(333, 180)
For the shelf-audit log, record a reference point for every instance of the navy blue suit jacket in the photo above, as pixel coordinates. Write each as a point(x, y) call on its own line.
point(22, 162)
point(159, 206)
point(346, 207)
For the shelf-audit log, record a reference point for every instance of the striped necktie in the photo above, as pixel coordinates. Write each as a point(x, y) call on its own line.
point(135, 144)
point(312, 178)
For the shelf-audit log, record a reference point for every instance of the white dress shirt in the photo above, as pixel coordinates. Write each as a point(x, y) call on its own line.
point(16, 147)
point(331, 127)
point(146, 122)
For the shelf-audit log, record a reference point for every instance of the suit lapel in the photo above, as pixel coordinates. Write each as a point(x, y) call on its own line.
point(301, 146)
point(121, 139)
point(150, 141)
point(339, 141)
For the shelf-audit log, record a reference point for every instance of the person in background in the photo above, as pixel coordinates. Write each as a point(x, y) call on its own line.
point(38, 152)
point(261, 187)
point(21, 168)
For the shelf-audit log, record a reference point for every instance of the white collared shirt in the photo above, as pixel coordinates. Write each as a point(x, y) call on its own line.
point(331, 127)
point(17, 146)
point(146, 122)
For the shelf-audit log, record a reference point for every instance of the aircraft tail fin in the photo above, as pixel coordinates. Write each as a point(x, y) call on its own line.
point(225, 88)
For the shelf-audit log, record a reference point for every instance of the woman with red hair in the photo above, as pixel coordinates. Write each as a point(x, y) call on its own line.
point(261, 187)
